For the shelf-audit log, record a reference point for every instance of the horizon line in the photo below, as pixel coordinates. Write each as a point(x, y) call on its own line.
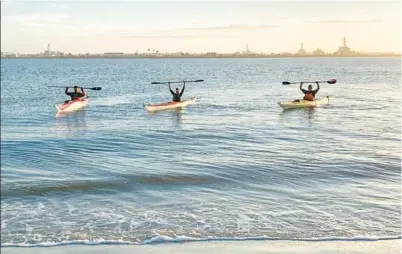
point(154, 52)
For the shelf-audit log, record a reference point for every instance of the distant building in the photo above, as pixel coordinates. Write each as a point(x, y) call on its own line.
point(176, 54)
point(113, 54)
point(344, 50)
point(247, 52)
point(8, 55)
point(301, 50)
point(49, 53)
point(318, 51)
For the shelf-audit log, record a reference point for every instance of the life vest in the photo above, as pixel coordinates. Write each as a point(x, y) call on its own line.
point(308, 97)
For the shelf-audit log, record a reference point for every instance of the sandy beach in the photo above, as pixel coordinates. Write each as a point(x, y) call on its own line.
point(238, 247)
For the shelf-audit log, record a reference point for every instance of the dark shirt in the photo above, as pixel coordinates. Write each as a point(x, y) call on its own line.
point(75, 95)
point(177, 96)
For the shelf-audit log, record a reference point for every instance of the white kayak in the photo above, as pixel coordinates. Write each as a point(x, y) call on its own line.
point(71, 106)
point(303, 103)
point(170, 105)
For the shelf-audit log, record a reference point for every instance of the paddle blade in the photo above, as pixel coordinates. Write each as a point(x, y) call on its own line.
point(331, 81)
point(199, 80)
point(285, 83)
point(96, 88)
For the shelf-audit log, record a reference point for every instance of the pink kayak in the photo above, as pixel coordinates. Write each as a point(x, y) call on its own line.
point(71, 106)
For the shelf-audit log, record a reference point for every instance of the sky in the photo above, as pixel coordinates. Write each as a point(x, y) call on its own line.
point(203, 26)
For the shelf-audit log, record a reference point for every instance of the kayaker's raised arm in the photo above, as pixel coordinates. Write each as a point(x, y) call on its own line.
point(83, 91)
point(171, 91)
point(318, 87)
point(182, 90)
point(66, 91)
point(301, 88)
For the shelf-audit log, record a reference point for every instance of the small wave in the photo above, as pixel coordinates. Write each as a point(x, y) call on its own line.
point(75, 242)
point(357, 107)
point(181, 239)
point(124, 181)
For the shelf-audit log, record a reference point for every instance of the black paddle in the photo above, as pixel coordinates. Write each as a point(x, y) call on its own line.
point(171, 82)
point(90, 88)
point(331, 81)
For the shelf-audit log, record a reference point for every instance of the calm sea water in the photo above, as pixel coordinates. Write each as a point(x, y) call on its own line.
point(232, 166)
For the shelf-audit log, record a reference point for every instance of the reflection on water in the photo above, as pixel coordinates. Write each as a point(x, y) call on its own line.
point(176, 113)
point(310, 112)
point(301, 114)
point(71, 123)
point(179, 115)
point(297, 111)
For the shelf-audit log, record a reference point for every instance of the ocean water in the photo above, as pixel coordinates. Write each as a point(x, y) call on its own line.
point(233, 165)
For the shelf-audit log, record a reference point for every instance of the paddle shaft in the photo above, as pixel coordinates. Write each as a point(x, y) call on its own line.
point(331, 81)
point(173, 82)
point(307, 82)
point(90, 88)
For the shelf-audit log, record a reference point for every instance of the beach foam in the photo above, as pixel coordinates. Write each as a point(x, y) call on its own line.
point(158, 239)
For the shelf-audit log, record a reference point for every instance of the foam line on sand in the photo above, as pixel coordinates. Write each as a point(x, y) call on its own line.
point(259, 247)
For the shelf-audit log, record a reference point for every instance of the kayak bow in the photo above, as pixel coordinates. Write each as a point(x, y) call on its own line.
point(303, 103)
point(170, 105)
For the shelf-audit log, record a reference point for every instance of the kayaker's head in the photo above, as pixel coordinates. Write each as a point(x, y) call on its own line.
point(75, 88)
point(310, 87)
point(177, 90)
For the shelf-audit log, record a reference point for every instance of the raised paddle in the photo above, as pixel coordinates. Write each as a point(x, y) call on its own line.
point(184, 81)
point(90, 88)
point(331, 81)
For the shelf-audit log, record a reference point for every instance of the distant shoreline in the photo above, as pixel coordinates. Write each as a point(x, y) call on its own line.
point(194, 56)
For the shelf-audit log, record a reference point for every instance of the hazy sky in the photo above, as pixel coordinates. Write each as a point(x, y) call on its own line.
point(189, 26)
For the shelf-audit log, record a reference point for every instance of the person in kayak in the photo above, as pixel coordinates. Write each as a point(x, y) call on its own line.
point(177, 95)
point(76, 94)
point(309, 94)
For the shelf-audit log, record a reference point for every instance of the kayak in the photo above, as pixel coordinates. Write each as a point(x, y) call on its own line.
point(170, 105)
point(303, 103)
point(71, 106)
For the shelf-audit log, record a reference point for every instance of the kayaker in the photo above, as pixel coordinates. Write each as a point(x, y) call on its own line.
point(76, 94)
point(309, 94)
point(177, 95)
